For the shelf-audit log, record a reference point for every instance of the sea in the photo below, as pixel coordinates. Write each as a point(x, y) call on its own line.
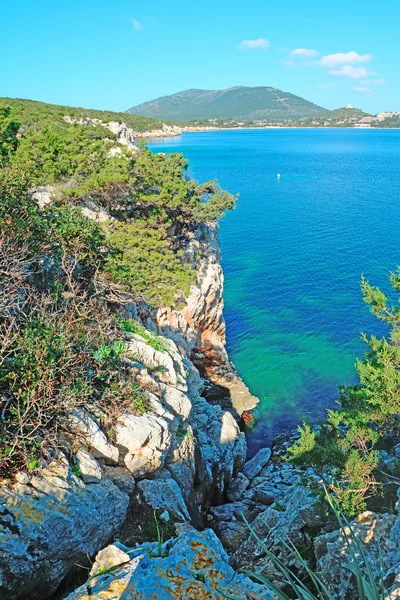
point(318, 208)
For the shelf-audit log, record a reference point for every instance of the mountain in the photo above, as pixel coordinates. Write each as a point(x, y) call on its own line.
point(255, 103)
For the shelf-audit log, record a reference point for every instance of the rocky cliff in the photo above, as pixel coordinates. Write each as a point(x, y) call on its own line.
point(176, 459)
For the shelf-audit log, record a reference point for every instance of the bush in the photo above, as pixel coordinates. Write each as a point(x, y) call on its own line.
point(141, 260)
point(366, 412)
point(152, 339)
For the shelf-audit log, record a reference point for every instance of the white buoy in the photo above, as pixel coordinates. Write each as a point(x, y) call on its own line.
point(279, 176)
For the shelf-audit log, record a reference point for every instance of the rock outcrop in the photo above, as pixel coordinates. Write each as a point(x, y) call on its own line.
point(194, 565)
point(125, 135)
point(176, 458)
point(199, 327)
point(375, 542)
point(51, 522)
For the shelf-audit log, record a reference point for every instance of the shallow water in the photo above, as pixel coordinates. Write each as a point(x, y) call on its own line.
point(293, 254)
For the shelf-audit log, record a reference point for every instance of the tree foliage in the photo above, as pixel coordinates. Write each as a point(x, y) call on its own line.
point(348, 441)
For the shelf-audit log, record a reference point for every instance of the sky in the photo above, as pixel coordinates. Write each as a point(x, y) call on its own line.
point(114, 54)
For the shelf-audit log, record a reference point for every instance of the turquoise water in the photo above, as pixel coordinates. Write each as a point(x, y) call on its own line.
point(293, 254)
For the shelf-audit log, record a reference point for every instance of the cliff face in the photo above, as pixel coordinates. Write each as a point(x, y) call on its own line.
point(199, 327)
point(176, 458)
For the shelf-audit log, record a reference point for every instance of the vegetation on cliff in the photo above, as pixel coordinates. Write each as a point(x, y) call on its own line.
point(59, 342)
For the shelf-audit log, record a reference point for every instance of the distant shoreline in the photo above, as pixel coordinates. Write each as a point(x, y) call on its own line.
point(210, 130)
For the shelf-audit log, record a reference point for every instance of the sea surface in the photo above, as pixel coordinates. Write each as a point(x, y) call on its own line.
point(293, 254)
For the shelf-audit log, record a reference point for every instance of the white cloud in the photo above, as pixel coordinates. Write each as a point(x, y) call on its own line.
point(260, 44)
point(137, 26)
point(362, 90)
point(303, 53)
point(344, 58)
point(349, 71)
point(326, 86)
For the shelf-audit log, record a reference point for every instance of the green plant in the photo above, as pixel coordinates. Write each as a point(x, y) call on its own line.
point(305, 444)
point(75, 468)
point(347, 441)
point(107, 352)
point(152, 339)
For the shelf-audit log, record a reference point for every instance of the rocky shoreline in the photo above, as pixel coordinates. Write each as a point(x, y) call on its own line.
point(158, 503)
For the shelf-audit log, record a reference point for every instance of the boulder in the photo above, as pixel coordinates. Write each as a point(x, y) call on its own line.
point(85, 426)
point(254, 466)
point(194, 565)
point(163, 493)
point(107, 559)
point(144, 441)
point(378, 539)
point(89, 467)
point(50, 525)
point(121, 478)
point(237, 486)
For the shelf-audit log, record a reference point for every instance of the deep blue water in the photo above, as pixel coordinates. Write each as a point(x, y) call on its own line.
point(293, 254)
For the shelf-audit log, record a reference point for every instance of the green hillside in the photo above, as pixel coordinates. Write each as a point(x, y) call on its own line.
point(348, 113)
point(28, 111)
point(255, 103)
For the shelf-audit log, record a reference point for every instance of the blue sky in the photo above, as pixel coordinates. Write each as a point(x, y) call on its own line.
point(118, 53)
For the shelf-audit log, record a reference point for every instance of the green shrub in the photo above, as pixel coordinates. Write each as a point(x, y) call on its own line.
point(141, 260)
point(152, 339)
point(304, 445)
point(366, 411)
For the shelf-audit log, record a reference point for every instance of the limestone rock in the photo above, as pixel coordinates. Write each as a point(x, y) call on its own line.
point(144, 440)
point(163, 493)
point(95, 212)
point(378, 536)
point(231, 534)
point(110, 557)
point(43, 195)
point(88, 466)
point(237, 486)
point(121, 478)
point(291, 519)
point(194, 565)
point(46, 531)
point(178, 402)
point(83, 424)
point(198, 329)
point(254, 466)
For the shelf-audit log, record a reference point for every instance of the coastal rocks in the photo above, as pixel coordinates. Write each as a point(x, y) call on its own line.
point(250, 498)
point(124, 134)
point(166, 131)
point(194, 565)
point(84, 425)
point(198, 329)
point(237, 486)
point(377, 545)
point(221, 450)
point(254, 466)
point(51, 523)
point(144, 440)
point(163, 493)
point(290, 519)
